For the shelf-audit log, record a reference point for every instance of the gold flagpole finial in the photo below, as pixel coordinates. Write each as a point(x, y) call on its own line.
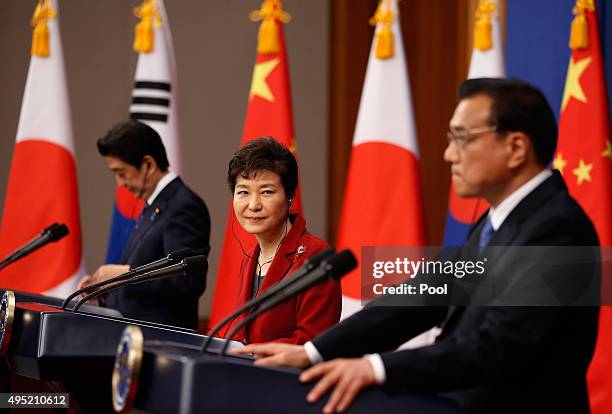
point(579, 35)
point(384, 37)
point(143, 33)
point(40, 35)
point(268, 38)
point(483, 29)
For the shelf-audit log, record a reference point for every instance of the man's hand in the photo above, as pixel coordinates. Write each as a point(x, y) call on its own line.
point(277, 354)
point(104, 272)
point(347, 378)
point(108, 271)
point(85, 281)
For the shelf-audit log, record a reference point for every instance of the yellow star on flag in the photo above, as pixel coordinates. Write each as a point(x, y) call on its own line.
point(583, 172)
point(572, 82)
point(608, 151)
point(559, 163)
point(259, 86)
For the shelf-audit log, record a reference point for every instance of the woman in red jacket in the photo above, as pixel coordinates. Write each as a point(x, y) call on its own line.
point(263, 177)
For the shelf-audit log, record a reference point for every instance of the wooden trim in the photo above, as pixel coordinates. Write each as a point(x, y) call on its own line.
point(434, 34)
point(351, 36)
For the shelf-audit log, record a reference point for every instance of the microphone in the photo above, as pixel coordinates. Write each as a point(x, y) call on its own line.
point(186, 267)
point(174, 257)
point(332, 268)
point(53, 233)
point(310, 264)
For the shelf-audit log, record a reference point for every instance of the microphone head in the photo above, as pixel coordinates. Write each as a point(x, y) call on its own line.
point(340, 264)
point(56, 231)
point(195, 264)
point(316, 259)
point(180, 254)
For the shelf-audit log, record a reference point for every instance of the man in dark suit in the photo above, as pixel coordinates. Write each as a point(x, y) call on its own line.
point(489, 359)
point(174, 217)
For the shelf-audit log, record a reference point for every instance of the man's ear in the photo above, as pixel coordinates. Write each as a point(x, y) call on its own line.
point(520, 149)
point(149, 164)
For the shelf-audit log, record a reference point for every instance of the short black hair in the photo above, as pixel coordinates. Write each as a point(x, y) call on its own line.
point(518, 106)
point(130, 141)
point(264, 154)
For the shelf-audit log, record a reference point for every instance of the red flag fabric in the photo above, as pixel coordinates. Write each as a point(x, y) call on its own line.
point(584, 157)
point(382, 203)
point(269, 113)
point(42, 186)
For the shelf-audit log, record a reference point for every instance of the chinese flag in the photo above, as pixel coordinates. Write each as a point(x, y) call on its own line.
point(268, 114)
point(584, 157)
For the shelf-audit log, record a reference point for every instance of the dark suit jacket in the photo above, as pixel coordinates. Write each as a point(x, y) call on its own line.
point(178, 218)
point(303, 317)
point(490, 359)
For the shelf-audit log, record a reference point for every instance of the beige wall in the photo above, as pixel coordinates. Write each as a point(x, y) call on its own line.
point(215, 51)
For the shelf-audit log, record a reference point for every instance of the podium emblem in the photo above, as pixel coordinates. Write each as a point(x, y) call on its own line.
point(7, 313)
point(127, 368)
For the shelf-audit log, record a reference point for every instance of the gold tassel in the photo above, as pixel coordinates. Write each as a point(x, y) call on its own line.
point(144, 34)
point(579, 35)
point(384, 37)
point(268, 40)
point(384, 43)
point(483, 29)
point(267, 37)
point(40, 35)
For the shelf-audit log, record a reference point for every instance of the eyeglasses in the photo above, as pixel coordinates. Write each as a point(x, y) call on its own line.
point(462, 138)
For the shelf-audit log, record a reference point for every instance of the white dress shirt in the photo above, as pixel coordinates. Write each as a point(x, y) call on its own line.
point(161, 184)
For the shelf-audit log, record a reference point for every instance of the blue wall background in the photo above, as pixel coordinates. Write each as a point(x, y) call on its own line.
point(537, 37)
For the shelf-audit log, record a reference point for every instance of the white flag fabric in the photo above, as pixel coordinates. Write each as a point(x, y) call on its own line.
point(382, 201)
point(489, 63)
point(42, 187)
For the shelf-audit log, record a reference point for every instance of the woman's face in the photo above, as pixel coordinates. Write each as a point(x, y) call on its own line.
point(260, 204)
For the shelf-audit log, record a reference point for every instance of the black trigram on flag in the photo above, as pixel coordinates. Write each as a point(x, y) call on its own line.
point(151, 101)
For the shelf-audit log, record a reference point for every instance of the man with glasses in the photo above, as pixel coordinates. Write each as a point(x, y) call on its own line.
point(488, 359)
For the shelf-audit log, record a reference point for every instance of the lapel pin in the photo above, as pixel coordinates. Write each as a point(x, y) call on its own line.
point(154, 214)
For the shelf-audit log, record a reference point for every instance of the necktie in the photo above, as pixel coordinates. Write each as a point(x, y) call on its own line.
point(142, 214)
point(486, 233)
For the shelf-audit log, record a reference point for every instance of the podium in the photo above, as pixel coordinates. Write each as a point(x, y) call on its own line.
point(75, 352)
point(179, 379)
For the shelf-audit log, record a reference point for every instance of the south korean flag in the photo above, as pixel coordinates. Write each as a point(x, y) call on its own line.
point(154, 98)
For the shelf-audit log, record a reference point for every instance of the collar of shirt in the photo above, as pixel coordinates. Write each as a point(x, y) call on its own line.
point(498, 214)
point(161, 184)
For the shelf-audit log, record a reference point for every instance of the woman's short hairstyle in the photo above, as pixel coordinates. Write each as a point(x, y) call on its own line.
point(264, 154)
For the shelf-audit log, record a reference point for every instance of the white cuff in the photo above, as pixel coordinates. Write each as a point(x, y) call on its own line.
point(313, 354)
point(378, 367)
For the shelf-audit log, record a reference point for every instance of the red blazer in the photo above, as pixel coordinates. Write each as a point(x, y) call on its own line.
point(303, 317)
